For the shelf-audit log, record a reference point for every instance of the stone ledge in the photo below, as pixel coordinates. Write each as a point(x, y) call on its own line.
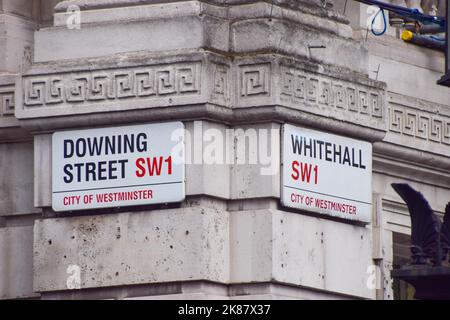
point(193, 290)
point(251, 10)
point(315, 7)
point(412, 165)
point(245, 27)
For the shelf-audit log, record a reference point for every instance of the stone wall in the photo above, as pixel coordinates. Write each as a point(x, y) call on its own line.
point(214, 65)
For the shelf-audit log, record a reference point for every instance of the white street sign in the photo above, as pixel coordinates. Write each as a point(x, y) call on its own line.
point(118, 166)
point(327, 173)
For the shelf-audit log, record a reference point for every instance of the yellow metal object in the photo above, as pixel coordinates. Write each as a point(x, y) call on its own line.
point(407, 35)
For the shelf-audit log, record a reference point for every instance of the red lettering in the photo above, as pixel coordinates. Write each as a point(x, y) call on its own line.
point(306, 172)
point(141, 170)
point(295, 165)
point(169, 164)
point(153, 166)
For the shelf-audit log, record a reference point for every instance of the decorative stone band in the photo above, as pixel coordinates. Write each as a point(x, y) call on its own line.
point(201, 79)
point(299, 86)
point(6, 100)
point(419, 124)
point(146, 82)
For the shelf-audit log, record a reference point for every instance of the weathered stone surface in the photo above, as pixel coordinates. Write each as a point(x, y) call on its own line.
point(207, 170)
point(256, 170)
point(16, 183)
point(16, 262)
point(131, 248)
point(193, 244)
point(272, 245)
point(24, 8)
point(242, 27)
point(16, 44)
point(232, 64)
point(43, 170)
point(103, 40)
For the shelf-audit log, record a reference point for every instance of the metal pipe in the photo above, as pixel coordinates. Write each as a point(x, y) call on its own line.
point(424, 28)
point(424, 41)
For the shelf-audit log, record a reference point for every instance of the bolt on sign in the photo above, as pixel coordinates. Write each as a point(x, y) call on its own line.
point(326, 173)
point(118, 166)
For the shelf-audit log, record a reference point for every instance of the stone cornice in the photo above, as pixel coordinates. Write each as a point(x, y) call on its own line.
point(404, 163)
point(315, 7)
point(267, 87)
point(249, 10)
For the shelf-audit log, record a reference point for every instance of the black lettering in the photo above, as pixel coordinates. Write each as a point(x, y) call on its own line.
point(354, 164)
point(296, 145)
point(78, 166)
point(68, 178)
point(361, 165)
point(128, 144)
point(101, 170)
point(67, 153)
point(328, 151)
point(141, 142)
point(308, 146)
point(346, 157)
point(122, 163)
point(337, 153)
point(111, 170)
point(110, 147)
point(80, 148)
point(90, 171)
point(95, 146)
point(320, 143)
point(119, 144)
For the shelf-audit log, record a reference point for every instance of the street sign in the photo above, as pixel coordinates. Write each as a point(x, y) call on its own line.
point(326, 173)
point(118, 166)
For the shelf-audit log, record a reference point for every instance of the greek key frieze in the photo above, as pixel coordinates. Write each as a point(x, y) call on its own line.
point(6, 100)
point(419, 124)
point(221, 83)
point(107, 85)
point(255, 80)
point(298, 86)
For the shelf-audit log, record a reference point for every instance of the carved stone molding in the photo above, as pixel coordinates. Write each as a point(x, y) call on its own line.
point(418, 124)
point(345, 97)
point(6, 100)
point(202, 79)
point(298, 86)
point(89, 88)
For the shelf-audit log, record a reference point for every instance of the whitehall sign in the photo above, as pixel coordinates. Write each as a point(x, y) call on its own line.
point(119, 166)
point(326, 173)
